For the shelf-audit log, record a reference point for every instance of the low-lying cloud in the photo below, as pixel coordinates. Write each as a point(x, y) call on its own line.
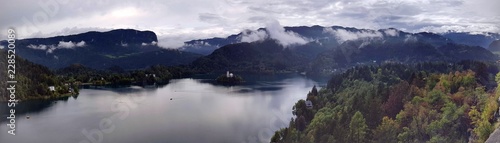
point(284, 38)
point(47, 48)
point(343, 35)
point(153, 43)
point(61, 45)
point(124, 44)
point(410, 38)
point(169, 42)
point(275, 31)
point(199, 43)
point(391, 32)
point(232, 16)
point(253, 36)
point(70, 45)
point(39, 47)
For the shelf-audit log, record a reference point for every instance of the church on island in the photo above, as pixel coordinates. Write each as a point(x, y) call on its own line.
point(229, 78)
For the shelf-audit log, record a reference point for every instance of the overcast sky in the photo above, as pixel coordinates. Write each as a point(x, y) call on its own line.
point(176, 21)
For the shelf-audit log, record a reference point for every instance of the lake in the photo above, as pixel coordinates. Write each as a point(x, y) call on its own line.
point(189, 110)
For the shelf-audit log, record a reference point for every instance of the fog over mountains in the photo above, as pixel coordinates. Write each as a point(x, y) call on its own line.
point(274, 48)
point(127, 48)
point(303, 34)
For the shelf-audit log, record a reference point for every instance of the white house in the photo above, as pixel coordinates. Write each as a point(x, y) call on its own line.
point(309, 104)
point(52, 88)
point(228, 74)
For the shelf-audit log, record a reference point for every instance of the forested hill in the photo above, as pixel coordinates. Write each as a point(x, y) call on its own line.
point(428, 102)
point(269, 57)
point(323, 50)
point(33, 81)
point(334, 35)
point(127, 48)
point(261, 57)
point(327, 50)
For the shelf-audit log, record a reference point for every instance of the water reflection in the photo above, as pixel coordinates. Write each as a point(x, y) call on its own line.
point(23, 108)
point(186, 110)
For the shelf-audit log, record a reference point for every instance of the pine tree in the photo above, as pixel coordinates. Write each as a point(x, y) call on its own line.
point(357, 128)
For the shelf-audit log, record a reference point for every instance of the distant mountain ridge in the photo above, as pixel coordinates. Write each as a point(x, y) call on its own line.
point(472, 39)
point(320, 49)
point(495, 46)
point(336, 48)
point(127, 48)
point(206, 46)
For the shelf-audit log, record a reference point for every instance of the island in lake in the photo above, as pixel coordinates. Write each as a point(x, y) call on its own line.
point(229, 78)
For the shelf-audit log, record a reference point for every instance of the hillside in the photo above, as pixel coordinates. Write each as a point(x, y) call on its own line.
point(335, 49)
point(264, 57)
point(472, 39)
point(376, 52)
point(327, 50)
point(495, 46)
point(324, 36)
point(429, 102)
point(33, 81)
point(127, 48)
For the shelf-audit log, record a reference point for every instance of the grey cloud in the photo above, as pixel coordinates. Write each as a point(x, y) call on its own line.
point(343, 35)
point(39, 47)
point(284, 38)
point(153, 43)
point(51, 50)
point(460, 28)
point(124, 44)
point(173, 42)
point(274, 31)
point(199, 43)
point(253, 36)
point(60, 45)
point(263, 10)
point(179, 20)
point(47, 48)
point(259, 19)
point(211, 18)
point(410, 38)
point(391, 32)
point(70, 44)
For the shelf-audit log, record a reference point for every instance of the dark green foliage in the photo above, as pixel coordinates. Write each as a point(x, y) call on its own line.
point(262, 57)
point(116, 76)
point(427, 102)
point(357, 128)
point(353, 53)
point(33, 81)
point(300, 123)
point(386, 132)
point(276, 137)
point(269, 57)
point(314, 91)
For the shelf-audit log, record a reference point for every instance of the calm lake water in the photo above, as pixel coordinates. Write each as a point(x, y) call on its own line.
point(183, 111)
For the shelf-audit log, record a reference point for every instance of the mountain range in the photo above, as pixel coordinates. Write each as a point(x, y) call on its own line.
point(207, 46)
point(127, 48)
point(331, 49)
point(311, 49)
